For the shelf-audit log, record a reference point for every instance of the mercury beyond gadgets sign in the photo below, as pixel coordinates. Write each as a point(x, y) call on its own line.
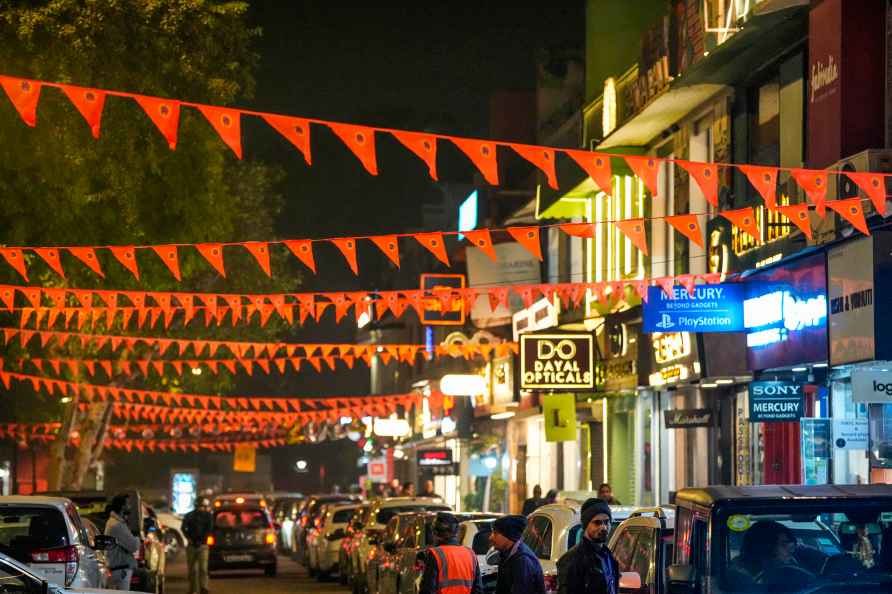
point(709, 308)
point(557, 361)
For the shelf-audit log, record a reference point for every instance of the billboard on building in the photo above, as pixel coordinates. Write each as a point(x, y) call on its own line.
point(557, 361)
point(851, 292)
point(514, 265)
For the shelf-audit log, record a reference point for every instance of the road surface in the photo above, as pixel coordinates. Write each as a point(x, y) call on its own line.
point(292, 579)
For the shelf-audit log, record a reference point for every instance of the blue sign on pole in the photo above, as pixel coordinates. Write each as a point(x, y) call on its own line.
point(711, 308)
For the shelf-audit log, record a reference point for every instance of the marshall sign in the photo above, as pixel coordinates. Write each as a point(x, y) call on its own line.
point(774, 402)
point(557, 362)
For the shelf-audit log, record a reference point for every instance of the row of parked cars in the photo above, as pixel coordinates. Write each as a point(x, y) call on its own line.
point(59, 538)
point(713, 540)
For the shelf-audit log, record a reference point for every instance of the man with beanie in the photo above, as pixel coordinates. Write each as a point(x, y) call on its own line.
point(589, 567)
point(519, 569)
point(449, 568)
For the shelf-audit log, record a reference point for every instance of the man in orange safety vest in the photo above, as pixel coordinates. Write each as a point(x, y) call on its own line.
point(448, 567)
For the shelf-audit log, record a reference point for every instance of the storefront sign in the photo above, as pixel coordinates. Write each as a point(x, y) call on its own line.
point(514, 265)
point(712, 308)
point(871, 385)
point(674, 358)
point(539, 316)
point(447, 470)
point(851, 291)
point(685, 419)
point(245, 458)
point(621, 335)
point(557, 361)
point(434, 313)
point(785, 314)
point(434, 457)
point(559, 412)
point(851, 434)
point(377, 470)
point(502, 380)
point(776, 401)
point(815, 437)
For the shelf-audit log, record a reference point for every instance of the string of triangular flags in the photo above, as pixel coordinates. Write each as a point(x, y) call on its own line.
point(146, 431)
point(635, 229)
point(360, 140)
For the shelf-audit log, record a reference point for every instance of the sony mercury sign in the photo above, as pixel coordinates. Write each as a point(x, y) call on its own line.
point(557, 361)
point(776, 401)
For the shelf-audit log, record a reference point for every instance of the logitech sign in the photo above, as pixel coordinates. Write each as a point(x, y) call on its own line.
point(775, 402)
point(871, 385)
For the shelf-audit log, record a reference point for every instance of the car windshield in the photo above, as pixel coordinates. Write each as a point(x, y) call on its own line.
point(815, 549)
point(240, 518)
point(24, 529)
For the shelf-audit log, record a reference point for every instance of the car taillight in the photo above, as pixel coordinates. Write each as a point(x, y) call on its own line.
point(270, 538)
point(66, 555)
point(211, 541)
point(551, 585)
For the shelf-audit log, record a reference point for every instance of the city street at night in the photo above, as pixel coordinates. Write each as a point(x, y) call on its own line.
point(291, 579)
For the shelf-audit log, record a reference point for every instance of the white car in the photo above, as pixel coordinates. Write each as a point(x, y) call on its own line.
point(19, 578)
point(48, 535)
point(326, 544)
point(554, 528)
point(172, 533)
point(474, 534)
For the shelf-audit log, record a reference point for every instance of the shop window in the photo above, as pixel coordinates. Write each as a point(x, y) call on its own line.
point(881, 435)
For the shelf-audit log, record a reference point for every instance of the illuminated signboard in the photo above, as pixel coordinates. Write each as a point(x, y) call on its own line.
point(467, 214)
point(557, 361)
point(435, 312)
point(710, 308)
point(785, 314)
point(435, 457)
point(674, 358)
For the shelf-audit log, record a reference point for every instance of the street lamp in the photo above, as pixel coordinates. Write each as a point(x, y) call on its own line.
point(301, 465)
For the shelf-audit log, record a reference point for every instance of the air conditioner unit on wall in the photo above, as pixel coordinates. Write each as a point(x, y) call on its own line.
point(840, 186)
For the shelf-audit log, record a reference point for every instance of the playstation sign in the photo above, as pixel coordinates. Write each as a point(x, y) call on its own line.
point(709, 308)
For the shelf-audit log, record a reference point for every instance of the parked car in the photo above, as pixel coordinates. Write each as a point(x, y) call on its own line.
point(243, 538)
point(101, 553)
point(713, 523)
point(552, 529)
point(352, 535)
point(397, 572)
point(19, 578)
point(323, 553)
point(48, 535)
point(371, 533)
point(642, 544)
point(258, 499)
point(149, 575)
point(310, 510)
point(474, 534)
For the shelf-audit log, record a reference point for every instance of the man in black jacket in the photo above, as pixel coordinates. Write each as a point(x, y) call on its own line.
point(589, 567)
point(519, 569)
point(198, 524)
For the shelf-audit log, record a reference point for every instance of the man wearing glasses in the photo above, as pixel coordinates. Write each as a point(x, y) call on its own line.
point(589, 567)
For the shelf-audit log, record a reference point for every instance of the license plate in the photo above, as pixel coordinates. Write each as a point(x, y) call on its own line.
point(237, 558)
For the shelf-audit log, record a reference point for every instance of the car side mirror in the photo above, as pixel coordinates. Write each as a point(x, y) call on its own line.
point(682, 579)
point(493, 557)
point(102, 542)
point(629, 581)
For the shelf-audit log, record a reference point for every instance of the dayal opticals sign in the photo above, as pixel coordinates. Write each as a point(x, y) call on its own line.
point(557, 361)
point(776, 401)
point(708, 308)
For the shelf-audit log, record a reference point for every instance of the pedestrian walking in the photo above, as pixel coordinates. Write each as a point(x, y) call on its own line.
point(519, 569)
point(531, 504)
point(198, 524)
point(121, 561)
point(589, 567)
point(449, 568)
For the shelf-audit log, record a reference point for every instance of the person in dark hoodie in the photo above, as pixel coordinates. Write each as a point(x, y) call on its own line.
point(519, 569)
point(589, 567)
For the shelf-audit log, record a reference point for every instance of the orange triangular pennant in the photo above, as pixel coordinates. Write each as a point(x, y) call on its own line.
point(764, 179)
point(360, 140)
point(851, 210)
point(260, 251)
point(634, 230)
point(213, 253)
point(16, 259)
point(168, 255)
point(165, 114)
point(648, 169)
point(483, 154)
point(347, 246)
point(798, 215)
point(24, 95)
point(51, 257)
point(482, 240)
point(303, 249)
point(706, 176)
point(423, 145)
point(874, 186)
point(528, 237)
point(597, 166)
point(541, 157)
point(688, 225)
point(126, 255)
point(296, 130)
point(434, 243)
point(89, 102)
point(227, 123)
point(88, 257)
point(745, 220)
point(388, 244)
point(814, 182)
